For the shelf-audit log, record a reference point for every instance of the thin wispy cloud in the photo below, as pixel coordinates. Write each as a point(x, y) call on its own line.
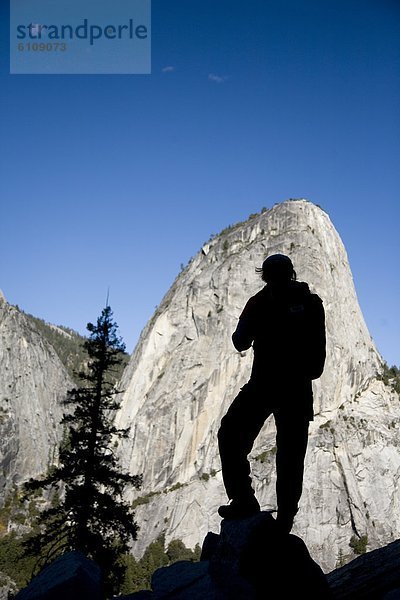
point(168, 69)
point(217, 78)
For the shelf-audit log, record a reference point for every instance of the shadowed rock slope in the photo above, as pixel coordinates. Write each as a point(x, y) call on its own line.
point(185, 372)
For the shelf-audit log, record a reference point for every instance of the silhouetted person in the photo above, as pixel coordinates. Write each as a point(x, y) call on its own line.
point(285, 323)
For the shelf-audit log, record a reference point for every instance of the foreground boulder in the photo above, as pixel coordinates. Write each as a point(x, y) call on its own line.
point(72, 576)
point(372, 576)
point(250, 559)
point(275, 565)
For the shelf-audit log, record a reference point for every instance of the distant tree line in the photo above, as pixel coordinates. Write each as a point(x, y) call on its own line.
point(70, 348)
point(138, 572)
point(391, 377)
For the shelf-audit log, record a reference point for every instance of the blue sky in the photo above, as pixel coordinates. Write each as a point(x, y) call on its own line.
point(116, 180)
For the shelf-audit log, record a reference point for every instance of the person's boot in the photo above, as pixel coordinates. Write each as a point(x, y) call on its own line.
point(240, 508)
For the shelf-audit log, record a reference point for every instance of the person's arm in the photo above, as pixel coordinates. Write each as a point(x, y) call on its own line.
point(243, 335)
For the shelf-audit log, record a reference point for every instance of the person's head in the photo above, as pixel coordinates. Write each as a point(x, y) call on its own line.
point(277, 269)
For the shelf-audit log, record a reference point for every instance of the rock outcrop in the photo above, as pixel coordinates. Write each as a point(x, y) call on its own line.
point(71, 576)
point(185, 372)
point(250, 559)
point(32, 384)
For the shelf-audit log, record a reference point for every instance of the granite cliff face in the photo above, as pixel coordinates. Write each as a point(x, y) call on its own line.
point(185, 372)
point(32, 383)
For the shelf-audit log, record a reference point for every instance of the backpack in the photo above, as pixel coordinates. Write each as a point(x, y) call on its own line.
point(289, 335)
point(308, 321)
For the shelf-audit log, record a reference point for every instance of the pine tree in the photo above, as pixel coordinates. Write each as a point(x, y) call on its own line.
point(91, 516)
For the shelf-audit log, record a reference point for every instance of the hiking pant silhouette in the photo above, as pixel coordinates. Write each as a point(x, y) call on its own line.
point(242, 424)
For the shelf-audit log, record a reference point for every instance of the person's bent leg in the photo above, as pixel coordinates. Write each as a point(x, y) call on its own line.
point(239, 428)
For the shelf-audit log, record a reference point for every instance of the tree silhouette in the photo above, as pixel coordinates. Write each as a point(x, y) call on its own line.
point(91, 515)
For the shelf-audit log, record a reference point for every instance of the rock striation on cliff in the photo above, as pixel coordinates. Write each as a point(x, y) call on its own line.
point(185, 372)
point(32, 384)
